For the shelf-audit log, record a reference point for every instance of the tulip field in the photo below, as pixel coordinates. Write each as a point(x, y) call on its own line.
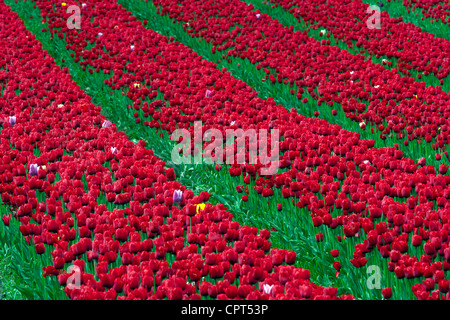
point(348, 100)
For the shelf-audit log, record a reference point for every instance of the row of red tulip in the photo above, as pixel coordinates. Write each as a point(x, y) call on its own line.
point(435, 9)
point(367, 91)
point(318, 154)
point(86, 193)
point(348, 21)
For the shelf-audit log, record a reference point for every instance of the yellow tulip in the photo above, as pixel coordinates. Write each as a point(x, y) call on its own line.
point(201, 206)
point(64, 4)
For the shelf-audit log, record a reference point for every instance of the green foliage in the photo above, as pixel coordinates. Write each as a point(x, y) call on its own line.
point(22, 268)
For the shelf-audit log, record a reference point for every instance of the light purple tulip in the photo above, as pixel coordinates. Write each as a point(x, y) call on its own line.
point(208, 94)
point(177, 196)
point(34, 170)
point(106, 124)
point(267, 288)
point(12, 120)
point(258, 16)
point(114, 150)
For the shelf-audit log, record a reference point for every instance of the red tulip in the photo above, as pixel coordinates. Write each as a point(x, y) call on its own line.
point(5, 219)
point(40, 248)
point(337, 265)
point(319, 237)
point(443, 286)
point(244, 290)
point(386, 292)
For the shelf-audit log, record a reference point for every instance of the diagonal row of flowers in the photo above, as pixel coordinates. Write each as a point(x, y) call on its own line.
point(63, 199)
point(419, 111)
point(436, 9)
point(347, 21)
point(367, 91)
point(317, 154)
